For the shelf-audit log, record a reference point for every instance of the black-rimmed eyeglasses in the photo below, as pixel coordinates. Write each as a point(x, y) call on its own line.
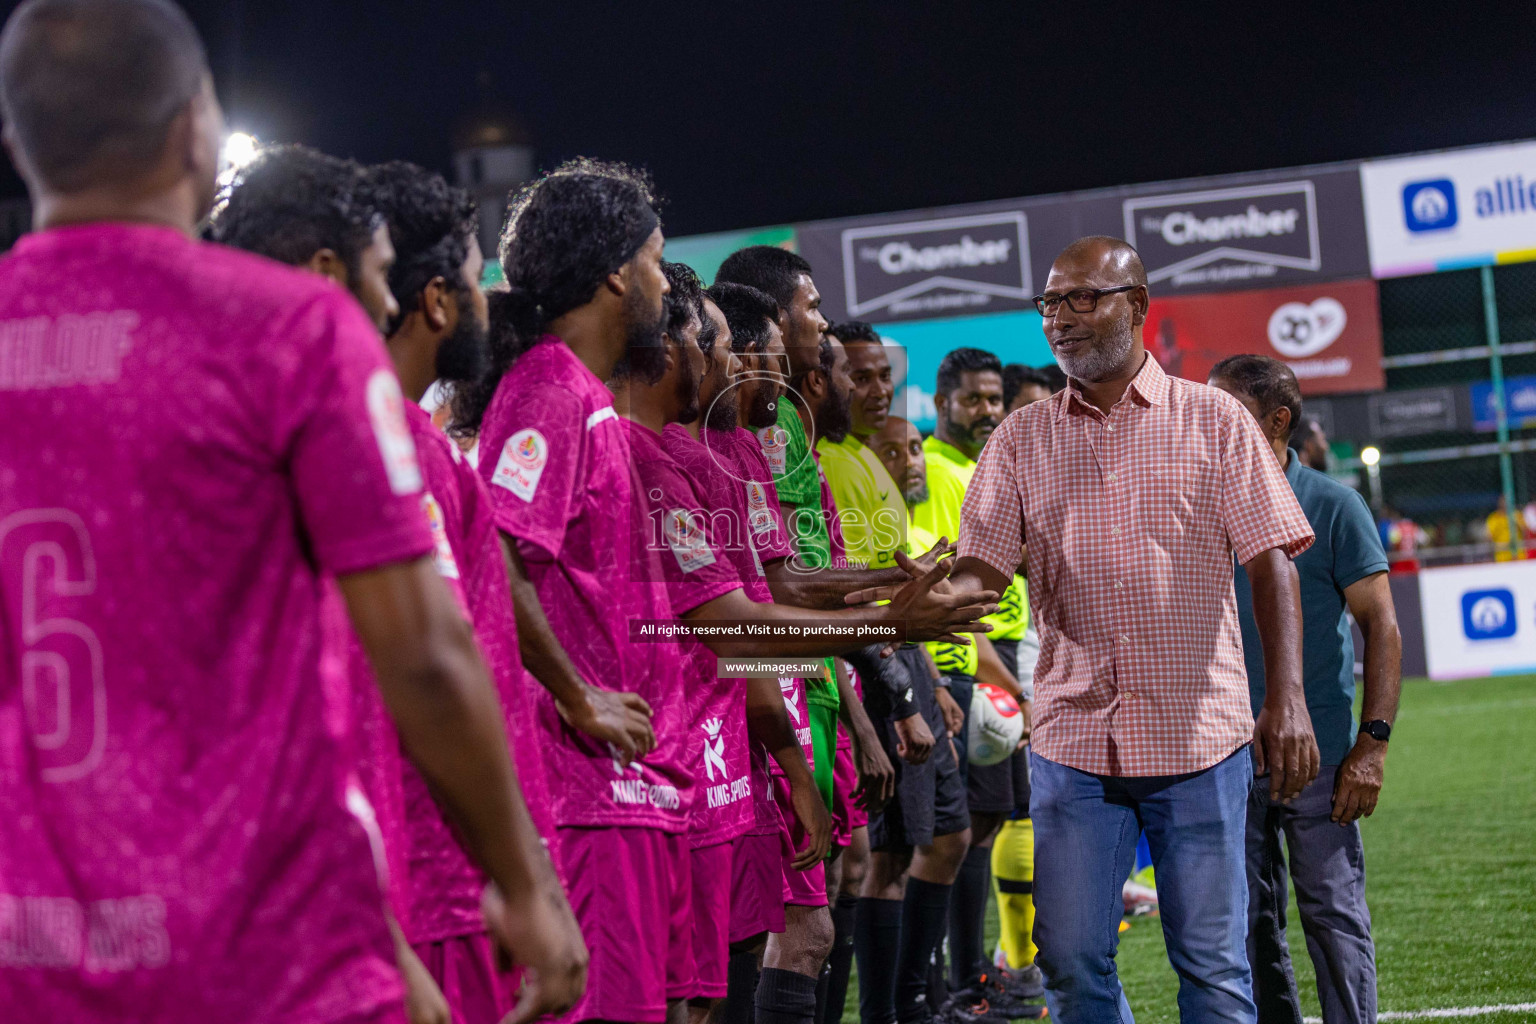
point(1081, 300)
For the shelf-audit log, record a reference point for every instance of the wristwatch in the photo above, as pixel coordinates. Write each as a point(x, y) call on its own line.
point(1377, 729)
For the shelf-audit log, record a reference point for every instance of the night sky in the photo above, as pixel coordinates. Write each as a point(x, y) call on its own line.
point(754, 113)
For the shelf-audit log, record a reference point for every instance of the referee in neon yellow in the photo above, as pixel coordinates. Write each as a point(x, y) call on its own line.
point(918, 839)
point(968, 404)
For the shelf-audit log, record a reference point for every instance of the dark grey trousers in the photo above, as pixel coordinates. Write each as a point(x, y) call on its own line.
point(1327, 865)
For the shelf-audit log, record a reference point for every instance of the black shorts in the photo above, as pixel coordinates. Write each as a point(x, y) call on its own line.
point(1001, 788)
point(930, 797)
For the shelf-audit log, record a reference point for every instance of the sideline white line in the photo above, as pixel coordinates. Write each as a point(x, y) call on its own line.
point(1455, 1011)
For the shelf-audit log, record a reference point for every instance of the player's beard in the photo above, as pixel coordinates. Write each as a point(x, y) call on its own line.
point(1103, 360)
point(764, 410)
point(464, 355)
point(723, 414)
point(836, 417)
point(968, 434)
point(644, 354)
point(687, 389)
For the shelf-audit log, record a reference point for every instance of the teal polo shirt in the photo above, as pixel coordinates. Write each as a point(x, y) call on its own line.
point(1347, 549)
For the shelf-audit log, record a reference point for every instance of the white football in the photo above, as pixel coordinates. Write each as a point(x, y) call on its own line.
point(995, 726)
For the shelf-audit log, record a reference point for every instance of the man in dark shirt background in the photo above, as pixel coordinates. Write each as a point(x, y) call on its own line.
point(1345, 566)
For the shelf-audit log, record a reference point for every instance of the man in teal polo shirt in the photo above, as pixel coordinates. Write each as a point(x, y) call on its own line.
point(1345, 567)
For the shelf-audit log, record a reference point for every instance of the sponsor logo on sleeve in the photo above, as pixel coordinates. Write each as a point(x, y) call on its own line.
point(686, 539)
point(386, 414)
point(775, 442)
point(522, 463)
point(759, 518)
point(442, 552)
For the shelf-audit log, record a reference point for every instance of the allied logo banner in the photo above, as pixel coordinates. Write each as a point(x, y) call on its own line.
point(1328, 334)
point(1479, 620)
point(1458, 208)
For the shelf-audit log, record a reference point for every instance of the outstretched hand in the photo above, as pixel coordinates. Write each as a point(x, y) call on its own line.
point(933, 609)
point(941, 549)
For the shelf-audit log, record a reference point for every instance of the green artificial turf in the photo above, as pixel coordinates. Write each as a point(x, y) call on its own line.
point(1450, 863)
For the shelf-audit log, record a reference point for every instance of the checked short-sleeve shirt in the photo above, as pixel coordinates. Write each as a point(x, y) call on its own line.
point(1132, 520)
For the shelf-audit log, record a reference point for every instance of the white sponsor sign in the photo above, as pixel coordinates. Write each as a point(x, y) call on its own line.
point(1479, 620)
point(1271, 225)
point(1454, 209)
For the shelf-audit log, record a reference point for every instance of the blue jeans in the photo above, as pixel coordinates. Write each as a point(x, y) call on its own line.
point(1086, 827)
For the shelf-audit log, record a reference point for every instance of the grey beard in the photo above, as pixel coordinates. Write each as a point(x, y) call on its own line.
point(1099, 363)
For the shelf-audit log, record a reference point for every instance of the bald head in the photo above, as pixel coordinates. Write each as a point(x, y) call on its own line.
point(1108, 253)
point(90, 89)
point(899, 446)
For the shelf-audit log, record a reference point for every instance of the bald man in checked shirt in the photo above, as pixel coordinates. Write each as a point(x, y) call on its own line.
point(1134, 491)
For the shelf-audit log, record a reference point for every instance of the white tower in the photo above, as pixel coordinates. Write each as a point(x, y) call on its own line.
point(492, 155)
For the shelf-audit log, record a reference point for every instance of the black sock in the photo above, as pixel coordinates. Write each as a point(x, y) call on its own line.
point(832, 994)
point(784, 997)
point(968, 915)
point(923, 912)
point(876, 941)
point(740, 988)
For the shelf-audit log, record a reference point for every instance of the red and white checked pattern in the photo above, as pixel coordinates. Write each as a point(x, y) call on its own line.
point(1132, 520)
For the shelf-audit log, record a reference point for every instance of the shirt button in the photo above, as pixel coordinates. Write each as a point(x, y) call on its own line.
point(1114, 531)
point(1110, 428)
point(1124, 638)
point(1110, 477)
point(1119, 585)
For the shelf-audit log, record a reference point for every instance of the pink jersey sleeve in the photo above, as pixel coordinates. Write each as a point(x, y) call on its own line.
point(693, 568)
point(767, 527)
point(536, 476)
point(353, 463)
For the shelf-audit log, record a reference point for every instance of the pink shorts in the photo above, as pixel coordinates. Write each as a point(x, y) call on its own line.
point(846, 815)
point(632, 895)
point(393, 1013)
point(801, 888)
point(757, 886)
point(465, 969)
point(711, 919)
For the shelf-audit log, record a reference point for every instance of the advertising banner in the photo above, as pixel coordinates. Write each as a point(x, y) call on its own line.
point(1329, 334)
point(1479, 620)
point(959, 261)
point(1222, 234)
point(1420, 411)
point(1226, 233)
point(1519, 403)
point(1458, 208)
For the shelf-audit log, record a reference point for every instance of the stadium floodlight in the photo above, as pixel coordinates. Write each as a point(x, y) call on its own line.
point(239, 149)
point(1370, 455)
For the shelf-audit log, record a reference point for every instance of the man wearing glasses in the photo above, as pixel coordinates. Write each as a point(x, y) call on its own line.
point(1134, 491)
